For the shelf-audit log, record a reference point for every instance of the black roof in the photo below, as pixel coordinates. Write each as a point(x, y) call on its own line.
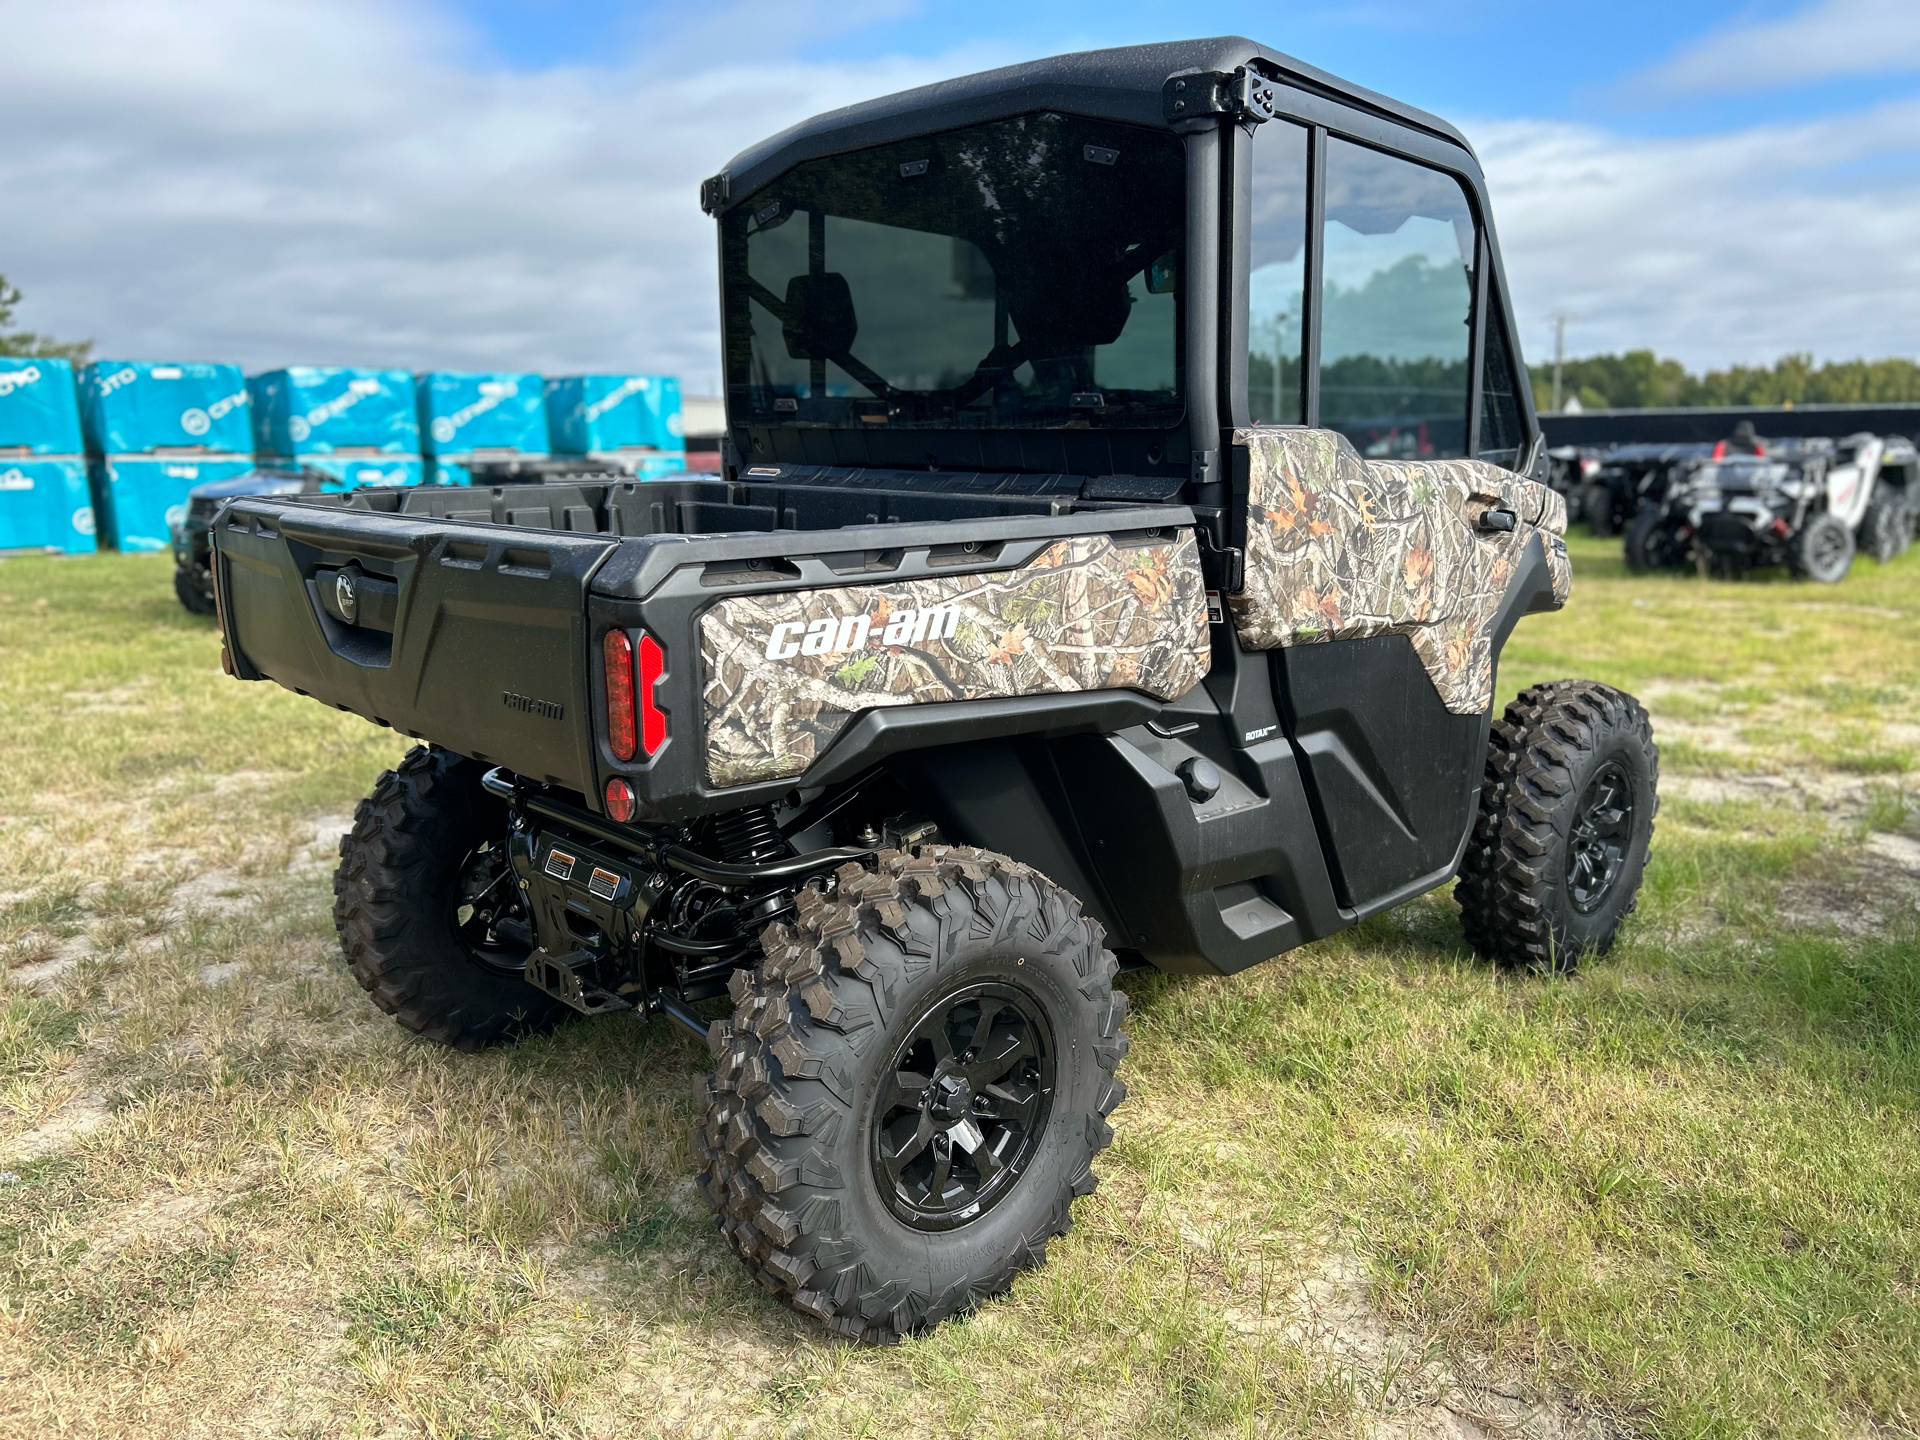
point(1120, 84)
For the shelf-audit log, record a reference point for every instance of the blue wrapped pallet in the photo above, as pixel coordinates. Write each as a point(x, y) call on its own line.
point(139, 407)
point(633, 420)
point(465, 413)
point(139, 497)
point(349, 472)
point(322, 410)
point(44, 503)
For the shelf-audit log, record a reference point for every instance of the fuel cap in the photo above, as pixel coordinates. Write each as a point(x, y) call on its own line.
point(1201, 777)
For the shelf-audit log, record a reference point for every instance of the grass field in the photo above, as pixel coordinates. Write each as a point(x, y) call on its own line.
point(1372, 1188)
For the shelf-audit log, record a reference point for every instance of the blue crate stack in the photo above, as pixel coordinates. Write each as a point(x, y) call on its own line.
point(355, 425)
point(44, 504)
point(632, 420)
point(154, 430)
point(470, 415)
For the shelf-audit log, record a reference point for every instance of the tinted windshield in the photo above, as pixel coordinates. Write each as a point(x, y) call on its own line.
point(1021, 274)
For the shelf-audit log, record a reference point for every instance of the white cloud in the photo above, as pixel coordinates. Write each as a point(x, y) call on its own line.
point(333, 181)
point(1825, 40)
point(324, 181)
point(1735, 247)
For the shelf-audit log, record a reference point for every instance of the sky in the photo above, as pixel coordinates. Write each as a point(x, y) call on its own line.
point(512, 184)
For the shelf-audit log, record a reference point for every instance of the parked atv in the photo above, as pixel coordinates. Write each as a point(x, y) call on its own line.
point(1807, 504)
point(1006, 652)
point(1632, 478)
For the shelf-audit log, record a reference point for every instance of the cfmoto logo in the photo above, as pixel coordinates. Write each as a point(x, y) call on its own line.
point(195, 421)
point(344, 593)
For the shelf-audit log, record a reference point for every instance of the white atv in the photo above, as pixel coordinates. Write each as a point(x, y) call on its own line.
point(1807, 504)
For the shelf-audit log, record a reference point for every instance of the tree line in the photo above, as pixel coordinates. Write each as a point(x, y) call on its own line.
point(1641, 380)
point(26, 342)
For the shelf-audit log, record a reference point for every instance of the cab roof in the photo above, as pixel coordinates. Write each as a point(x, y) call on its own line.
point(1121, 84)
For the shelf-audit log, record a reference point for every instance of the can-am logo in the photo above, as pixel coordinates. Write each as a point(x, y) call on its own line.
point(625, 390)
point(492, 392)
point(301, 426)
point(12, 380)
point(837, 634)
point(197, 421)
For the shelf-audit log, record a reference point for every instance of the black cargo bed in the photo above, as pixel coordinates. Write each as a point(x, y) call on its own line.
point(475, 613)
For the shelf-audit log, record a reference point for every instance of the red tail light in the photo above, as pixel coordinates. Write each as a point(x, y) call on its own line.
point(619, 653)
point(653, 724)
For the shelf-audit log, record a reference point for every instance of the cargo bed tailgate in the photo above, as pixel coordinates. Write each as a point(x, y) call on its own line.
point(472, 636)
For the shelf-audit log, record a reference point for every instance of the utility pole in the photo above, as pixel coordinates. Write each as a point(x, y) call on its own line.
point(1559, 353)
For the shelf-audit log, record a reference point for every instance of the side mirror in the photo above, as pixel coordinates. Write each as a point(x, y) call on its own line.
point(819, 323)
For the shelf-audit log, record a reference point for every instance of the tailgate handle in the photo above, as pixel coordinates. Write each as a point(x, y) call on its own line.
point(353, 597)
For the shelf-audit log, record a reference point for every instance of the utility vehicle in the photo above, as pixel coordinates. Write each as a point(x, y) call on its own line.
point(1809, 504)
point(1024, 637)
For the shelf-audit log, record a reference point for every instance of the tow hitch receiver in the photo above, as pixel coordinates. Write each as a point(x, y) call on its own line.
point(561, 978)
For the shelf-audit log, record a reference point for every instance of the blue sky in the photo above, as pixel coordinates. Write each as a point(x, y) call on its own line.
point(490, 183)
point(1499, 59)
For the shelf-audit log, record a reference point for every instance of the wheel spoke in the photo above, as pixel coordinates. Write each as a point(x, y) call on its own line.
point(897, 1160)
point(904, 1091)
point(998, 1057)
point(942, 1174)
point(987, 1163)
point(1009, 1106)
point(983, 1028)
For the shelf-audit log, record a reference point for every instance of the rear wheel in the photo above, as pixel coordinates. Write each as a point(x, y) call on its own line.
point(912, 1088)
point(1565, 825)
point(1887, 527)
point(1823, 550)
point(428, 911)
point(1596, 508)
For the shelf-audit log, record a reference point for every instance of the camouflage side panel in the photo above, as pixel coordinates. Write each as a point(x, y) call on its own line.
point(1340, 548)
point(783, 673)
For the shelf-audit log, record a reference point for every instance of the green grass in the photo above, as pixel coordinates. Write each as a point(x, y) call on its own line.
point(1677, 1194)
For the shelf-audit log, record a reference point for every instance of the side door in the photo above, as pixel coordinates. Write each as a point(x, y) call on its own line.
point(1370, 303)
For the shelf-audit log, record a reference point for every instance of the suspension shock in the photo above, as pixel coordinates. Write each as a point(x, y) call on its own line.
point(750, 836)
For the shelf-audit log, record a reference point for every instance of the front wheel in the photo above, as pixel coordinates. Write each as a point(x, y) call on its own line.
point(912, 1088)
point(193, 589)
point(1651, 544)
point(1823, 550)
point(1566, 821)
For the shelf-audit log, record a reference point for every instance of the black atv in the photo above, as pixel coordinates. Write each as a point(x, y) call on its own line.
point(1006, 653)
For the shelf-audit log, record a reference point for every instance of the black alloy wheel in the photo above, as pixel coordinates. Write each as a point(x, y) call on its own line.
point(958, 1119)
point(1599, 838)
point(1567, 807)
